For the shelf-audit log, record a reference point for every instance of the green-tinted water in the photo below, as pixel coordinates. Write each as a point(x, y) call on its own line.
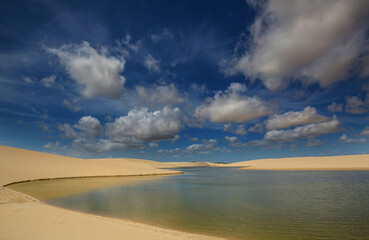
point(241, 204)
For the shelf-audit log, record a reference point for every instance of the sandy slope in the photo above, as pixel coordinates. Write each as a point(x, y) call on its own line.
point(22, 217)
point(19, 165)
point(348, 162)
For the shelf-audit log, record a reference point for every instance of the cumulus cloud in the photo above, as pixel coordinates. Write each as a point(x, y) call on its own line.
point(316, 41)
point(231, 106)
point(89, 125)
point(258, 128)
point(207, 146)
point(54, 147)
point(288, 119)
point(48, 81)
point(159, 94)
point(239, 130)
point(357, 106)
point(126, 132)
point(163, 124)
point(72, 104)
point(95, 71)
point(345, 139)
point(307, 131)
point(151, 63)
point(234, 142)
point(334, 107)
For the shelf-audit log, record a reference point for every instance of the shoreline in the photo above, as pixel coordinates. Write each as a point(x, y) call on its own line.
point(35, 200)
point(25, 217)
point(98, 176)
point(170, 233)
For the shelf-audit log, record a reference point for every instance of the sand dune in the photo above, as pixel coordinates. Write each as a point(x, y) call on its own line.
point(22, 217)
point(348, 162)
point(20, 165)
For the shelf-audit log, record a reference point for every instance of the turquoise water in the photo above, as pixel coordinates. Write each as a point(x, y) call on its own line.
point(240, 204)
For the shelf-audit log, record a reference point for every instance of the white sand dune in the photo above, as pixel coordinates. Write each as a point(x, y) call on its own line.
point(347, 162)
point(22, 217)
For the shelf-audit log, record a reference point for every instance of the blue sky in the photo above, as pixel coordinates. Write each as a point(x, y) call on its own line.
point(185, 80)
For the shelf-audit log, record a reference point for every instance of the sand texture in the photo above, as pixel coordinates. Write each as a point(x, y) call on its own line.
point(347, 162)
point(22, 217)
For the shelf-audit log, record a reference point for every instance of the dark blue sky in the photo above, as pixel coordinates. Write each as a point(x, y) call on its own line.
point(185, 80)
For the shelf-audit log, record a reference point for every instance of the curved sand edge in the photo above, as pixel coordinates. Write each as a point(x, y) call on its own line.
point(337, 163)
point(23, 217)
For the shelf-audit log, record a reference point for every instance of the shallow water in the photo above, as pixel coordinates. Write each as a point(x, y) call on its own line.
point(239, 204)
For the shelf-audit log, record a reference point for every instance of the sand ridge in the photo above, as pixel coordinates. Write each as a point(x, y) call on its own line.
point(345, 162)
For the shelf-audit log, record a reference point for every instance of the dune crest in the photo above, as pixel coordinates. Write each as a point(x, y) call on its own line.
point(345, 162)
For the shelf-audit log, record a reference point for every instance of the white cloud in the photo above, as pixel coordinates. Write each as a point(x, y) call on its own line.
point(89, 125)
point(48, 81)
point(28, 80)
point(43, 126)
point(318, 40)
point(95, 71)
point(306, 131)
point(72, 104)
point(67, 131)
point(365, 132)
point(194, 139)
point(334, 107)
point(159, 125)
point(357, 106)
point(152, 64)
point(288, 119)
point(258, 128)
point(55, 146)
point(239, 129)
point(164, 34)
point(345, 139)
point(234, 142)
point(164, 94)
point(312, 142)
point(365, 71)
point(153, 145)
point(175, 138)
point(207, 146)
point(199, 88)
point(127, 42)
point(126, 132)
point(87, 137)
point(236, 87)
point(231, 106)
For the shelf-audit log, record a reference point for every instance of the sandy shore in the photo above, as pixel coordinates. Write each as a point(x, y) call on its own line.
point(347, 162)
point(22, 217)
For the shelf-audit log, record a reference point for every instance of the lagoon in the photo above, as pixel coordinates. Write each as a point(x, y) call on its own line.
point(226, 202)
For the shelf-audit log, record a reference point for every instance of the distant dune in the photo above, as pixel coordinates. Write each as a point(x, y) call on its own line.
point(347, 162)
